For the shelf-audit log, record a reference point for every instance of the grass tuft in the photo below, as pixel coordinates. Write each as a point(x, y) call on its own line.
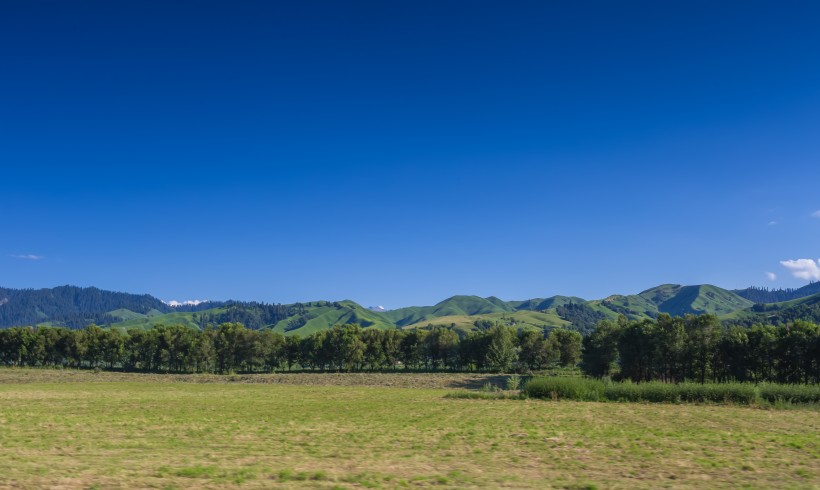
point(585, 389)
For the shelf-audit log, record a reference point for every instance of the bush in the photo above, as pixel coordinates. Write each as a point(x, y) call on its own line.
point(773, 393)
point(483, 395)
point(653, 392)
point(740, 393)
point(490, 388)
point(582, 389)
point(556, 388)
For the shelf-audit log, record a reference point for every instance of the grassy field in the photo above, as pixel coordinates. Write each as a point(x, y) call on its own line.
point(127, 431)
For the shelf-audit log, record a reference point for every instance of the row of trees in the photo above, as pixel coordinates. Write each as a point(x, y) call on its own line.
point(231, 347)
point(699, 348)
point(696, 348)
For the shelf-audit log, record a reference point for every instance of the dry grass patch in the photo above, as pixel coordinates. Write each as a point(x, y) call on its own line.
point(390, 379)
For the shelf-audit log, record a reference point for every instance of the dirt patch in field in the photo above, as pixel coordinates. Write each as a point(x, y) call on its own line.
point(397, 380)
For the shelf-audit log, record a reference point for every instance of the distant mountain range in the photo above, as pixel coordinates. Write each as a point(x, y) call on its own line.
point(76, 307)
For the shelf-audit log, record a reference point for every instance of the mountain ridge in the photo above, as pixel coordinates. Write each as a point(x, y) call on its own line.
point(76, 307)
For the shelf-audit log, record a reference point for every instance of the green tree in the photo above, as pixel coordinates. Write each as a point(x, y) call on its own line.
point(412, 349)
point(346, 347)
point(501, 352)
point(373, 348)
point(670, 345)
point(567, 344)
point(534, 352)
point(600, 350)
point(733, 355)
point(391, 347)
point(293, 351)
point(636, 350)
point(702, 334)
point(228, 345)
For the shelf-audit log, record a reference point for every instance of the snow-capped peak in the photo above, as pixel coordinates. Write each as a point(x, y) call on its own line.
point(191, 302)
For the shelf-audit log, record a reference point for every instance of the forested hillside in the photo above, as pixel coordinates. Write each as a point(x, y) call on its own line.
point(765, 295)
point(71, 306)
point(75, 307)
point(807, 309)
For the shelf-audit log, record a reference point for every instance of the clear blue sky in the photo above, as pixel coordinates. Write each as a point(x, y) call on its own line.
point(398, 153)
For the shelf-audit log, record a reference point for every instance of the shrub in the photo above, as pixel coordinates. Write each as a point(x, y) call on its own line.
point(480, 395)
point(583, 389)
point(490, 388)
point(741, 393)
point(653, 392)
point(556, 388)
point(772, 393)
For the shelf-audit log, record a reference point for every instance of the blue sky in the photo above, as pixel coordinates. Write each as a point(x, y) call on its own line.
point(398, 153)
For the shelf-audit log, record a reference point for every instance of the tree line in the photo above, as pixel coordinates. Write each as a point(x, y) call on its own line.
point(700, 348)
point(231, 347)
point(766, 295)
point(692, 348)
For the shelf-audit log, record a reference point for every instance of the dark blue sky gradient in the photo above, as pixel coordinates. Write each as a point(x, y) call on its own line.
point(397, 153)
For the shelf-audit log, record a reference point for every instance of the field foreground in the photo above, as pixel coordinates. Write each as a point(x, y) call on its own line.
point(138, 432)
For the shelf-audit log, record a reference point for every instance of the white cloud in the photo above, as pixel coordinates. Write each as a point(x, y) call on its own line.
point(807, 269)
point(816, 214)
point(193, 302)
point(771, 276)
point(29, 257)
point(772, 223)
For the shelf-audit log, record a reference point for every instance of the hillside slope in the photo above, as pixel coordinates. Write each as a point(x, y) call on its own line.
point(806, 308)
point(683, 300)
point(676, 300)
point(324, 317)
point(72, 306)
point(77, 307)
point(454, 306)
point(765, 295)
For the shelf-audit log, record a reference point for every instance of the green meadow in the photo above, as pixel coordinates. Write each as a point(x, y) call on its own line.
point(132, 431)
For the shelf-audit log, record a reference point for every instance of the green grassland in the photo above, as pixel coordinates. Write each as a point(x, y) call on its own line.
point(139, 433)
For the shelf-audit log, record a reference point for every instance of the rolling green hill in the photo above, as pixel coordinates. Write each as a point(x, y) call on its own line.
point(633, 306)
point(323, 317)
point(136, 320)
point(701, 299)
point(72, 306)
point(676, 300)
point(78, 307)
point(455, 306)
point(524, 319)
point(306, 318)
point(805, 308)
point(541, 304)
